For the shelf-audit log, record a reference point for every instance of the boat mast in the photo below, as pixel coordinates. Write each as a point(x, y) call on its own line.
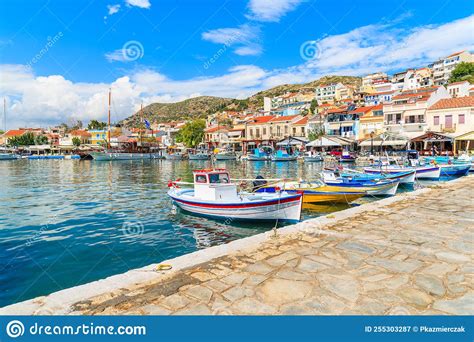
point(142, 122)
point(108, 135)
point(5, 120)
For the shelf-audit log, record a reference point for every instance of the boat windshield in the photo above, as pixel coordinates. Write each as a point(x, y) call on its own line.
point(219, 178)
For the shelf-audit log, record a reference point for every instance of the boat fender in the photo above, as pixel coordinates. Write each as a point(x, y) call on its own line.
point(163, 267)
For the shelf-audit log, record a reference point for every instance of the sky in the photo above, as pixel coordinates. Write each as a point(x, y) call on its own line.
point(58, 58)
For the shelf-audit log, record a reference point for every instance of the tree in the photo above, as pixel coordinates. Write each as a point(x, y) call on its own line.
point(315, 133)
point(314, 104)
point(76, 141)
point(28, 139)
point(94, 124)
point(464, 71)
point(192, 133)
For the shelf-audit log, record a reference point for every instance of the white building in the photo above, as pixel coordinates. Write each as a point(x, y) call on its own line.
point(326, 93)
point(406, 114)
point(459, 89)
point(453, 115)
point(443, 67)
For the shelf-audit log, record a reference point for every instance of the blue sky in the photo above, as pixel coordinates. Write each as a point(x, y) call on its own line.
point(57, 58)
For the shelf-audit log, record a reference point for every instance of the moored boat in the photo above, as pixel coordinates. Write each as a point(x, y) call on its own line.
point(422, 172)
point(261, 153)
point(371, 187)
point(8, 156)
point(225, 155)
point(283, 156)
point(109, 155)
point(455, 169)
point(347, 157)
point(316, 191)
point(404, 177)
point(198, 155)
point(215, 196)
point(313, 157)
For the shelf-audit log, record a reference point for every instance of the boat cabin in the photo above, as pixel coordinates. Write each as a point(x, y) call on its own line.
point(214, 185)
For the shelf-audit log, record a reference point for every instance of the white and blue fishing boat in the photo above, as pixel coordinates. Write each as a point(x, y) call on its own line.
point(198, 155)
point(422, 172)
point(312, 156)
point(8, 156)
point(214, 195)
point(404, 177)
point(262, 153)
point(371, 187)
point(449, 166)
point(283, 156)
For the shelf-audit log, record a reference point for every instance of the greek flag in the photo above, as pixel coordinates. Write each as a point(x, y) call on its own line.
point(147, 124)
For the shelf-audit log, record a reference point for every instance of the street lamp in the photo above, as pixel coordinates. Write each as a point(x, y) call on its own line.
point(372, 143)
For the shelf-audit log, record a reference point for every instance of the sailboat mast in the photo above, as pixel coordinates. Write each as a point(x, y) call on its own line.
point(141, 120)
point(108, 135)
point(5, 120)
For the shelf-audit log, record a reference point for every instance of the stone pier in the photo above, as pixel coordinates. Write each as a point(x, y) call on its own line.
point(405, 255)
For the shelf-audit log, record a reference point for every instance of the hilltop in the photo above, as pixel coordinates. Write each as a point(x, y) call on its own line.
point(202, 106)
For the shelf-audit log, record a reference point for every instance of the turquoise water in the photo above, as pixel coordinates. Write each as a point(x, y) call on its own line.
point(64, 223)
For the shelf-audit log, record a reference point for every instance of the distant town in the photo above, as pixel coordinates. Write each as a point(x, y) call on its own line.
point(406, 109)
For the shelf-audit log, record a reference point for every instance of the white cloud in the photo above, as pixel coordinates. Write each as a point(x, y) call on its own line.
point(139, 3)
point(245, 38)
point(113, 9)
point(44, 100)
point(271, 10)
point(116, 56)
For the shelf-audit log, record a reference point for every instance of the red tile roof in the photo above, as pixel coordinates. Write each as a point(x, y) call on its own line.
point(377, 107)
point(81, 133)
point(361, 110)
point(455, 54)
point(14, 132)
point(457, 102)
point(284, 118)
point(425, 93)
point(460, 82)
point(215, 129)
point(258, 120)
point(302, 121)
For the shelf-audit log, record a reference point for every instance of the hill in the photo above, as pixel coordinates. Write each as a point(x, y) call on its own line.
point(202, 106)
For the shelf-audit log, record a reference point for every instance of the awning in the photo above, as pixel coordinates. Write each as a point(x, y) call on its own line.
point(323, 142)
point(292, 141)
point(465, 136)
point(384, 143)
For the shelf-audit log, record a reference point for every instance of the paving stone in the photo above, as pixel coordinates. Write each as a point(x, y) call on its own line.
point(308, 265)
point(234, 278)
point(281, 291)
point(459, 306)
point(202, 276)
point(200, 293)
point(407, 266)
point(416, 297)
point(152, 309)
point(281, 259)
point(259, 268)
point(196, 310)
point(453, 257)
point(292, 275)
point(355, 247)
point(237, 292)
point(252, 306)
point(216, 285)
point(343, 287)
point(255, 279)
point(439, 269)
point(175, 302)
point(431, 284)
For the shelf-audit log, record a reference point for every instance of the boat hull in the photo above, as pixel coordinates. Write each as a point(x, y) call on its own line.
point(381, 189)
point(284, 159)
point(8, 156)
point(225, 157)
point(313, 159)
point(285, 207)
point(257, 158)
point(198, 157)
point(107, 156)
point(421, 172)
point(455, 169)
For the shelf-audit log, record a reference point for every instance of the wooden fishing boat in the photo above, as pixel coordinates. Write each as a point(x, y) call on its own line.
point(198, 155)
point(8, 156)
point(262, 153)
point(215, 196)
point(372, 187)
point(316, 191)
point(405, 177)
point(225, 155)
point(283, 156)
point(313, 157)
point(422, 172)
point(347, 157)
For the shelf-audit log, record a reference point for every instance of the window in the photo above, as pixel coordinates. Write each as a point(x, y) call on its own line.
point(436, 120)
point(257, 132)
point(294, 130)
point(97, 136)
point(201, 179)
point(448, 121)
point(278, 131)
point(218, 178)
point(251, 132)
point(286, 129)
point(302, 131)
point(461, 118)
point(264, 130)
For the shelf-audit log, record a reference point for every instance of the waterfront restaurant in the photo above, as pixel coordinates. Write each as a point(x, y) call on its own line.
point(433, 143)
point(386, 141)
point(464, 143)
